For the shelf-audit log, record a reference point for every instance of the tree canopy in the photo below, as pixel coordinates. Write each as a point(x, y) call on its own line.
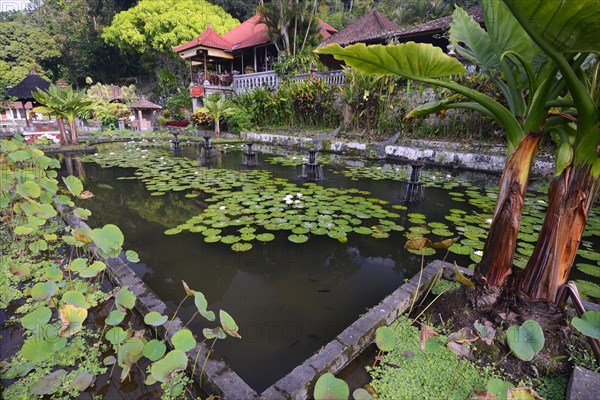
point(23, 46)
point(159, 25)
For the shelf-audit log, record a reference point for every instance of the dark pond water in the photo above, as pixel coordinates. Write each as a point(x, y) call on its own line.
point(288, 299)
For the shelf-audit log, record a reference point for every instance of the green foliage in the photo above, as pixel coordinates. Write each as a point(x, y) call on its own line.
point(328, 387)
point(305, 103)
point(150, 25)
point(525, 340)
point(293, 26)
point(22, 46)
point(588, 324)
point(408, 372)
point(178, 107)
point(63, 103)
point(552, 387)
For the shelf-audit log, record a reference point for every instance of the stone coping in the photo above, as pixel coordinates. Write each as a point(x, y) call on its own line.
point(221, 380)
point(451, 155)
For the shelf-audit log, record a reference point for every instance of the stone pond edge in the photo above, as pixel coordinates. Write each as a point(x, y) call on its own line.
point(220, 379)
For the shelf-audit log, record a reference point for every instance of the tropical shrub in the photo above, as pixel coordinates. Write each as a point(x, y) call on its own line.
point(200, 118)
point(179, 106)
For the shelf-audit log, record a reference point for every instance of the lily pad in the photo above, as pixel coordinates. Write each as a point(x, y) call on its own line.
point(36, 318)
point(125, 299)
point(82, 381)
point(163, 369)
point(211, 333)
point(115, 317)
point(154, 349)
point(384, 338)
point(116, 335)
point(328, 387)
point(525, 340)
point(43, 290)
point(228, 324)
point(588, 324)
point(75, 298)
point(183, 340)
point(265, 237)
point(240, 247)
point(72, 318)
point(154, 318)
point(298, 238)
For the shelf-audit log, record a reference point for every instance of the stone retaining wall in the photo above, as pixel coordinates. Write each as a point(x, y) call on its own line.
point(485, 158)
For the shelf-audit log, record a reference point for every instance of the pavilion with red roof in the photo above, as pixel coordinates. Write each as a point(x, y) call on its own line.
point(245, 49)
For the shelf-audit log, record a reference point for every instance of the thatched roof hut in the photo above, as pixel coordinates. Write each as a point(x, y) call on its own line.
point(31, 83)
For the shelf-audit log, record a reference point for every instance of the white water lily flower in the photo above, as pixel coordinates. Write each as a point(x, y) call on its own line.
point(162, 158)
point(111, 154)
point(297, 201)
point(541, 201)
point(488, 221)
point(289, 201)
point(478, 253)
point(222, 208)
point(299, 195)
point(143, 156)
point(95, 154)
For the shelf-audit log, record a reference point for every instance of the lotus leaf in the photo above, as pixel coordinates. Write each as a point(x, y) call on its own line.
point(36, 318)
point(183, 340)
point(328, 387)
point(72, 318)
point(75, 298)
point(116, 335)
point(115, 317)
point(125, 299)
point(154, 318)
point(154, 349)
point(43, 290)
point(228, 324)
point(163, 369)
point(526, 340)
point(588, 324)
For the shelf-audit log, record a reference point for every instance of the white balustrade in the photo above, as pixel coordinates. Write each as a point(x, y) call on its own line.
point(248, 82)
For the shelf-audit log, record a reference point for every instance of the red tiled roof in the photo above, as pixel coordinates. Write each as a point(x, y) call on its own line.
point(208, 38)
point(370, 26)
point(249, 33)
point(326, 30)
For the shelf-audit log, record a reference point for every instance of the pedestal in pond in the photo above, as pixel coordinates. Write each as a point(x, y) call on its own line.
point(414, 188)
point(250, 158)
point(207, 151)
point(175, 142)
point(312, 170)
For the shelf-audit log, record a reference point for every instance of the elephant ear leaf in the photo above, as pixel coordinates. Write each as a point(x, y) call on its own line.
point(569, 26)
point(472, 41)
point(506, 34)
point(415, 61)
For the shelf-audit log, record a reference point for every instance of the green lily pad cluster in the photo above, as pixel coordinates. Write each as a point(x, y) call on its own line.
point(246, 215)
point(244, 202)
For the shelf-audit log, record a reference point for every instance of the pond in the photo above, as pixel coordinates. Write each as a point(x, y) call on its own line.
point(293, 262)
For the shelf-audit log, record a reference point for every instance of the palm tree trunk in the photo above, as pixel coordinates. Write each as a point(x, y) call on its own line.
point(73, 129)
point(571, 196)
point(63, 132)
point(497, 260)
point(217, 127)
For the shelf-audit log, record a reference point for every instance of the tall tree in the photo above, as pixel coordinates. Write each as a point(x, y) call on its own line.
point(77, 25)
point(156, 26)
point(22, 46)
point(240, 9)
point(293, 24)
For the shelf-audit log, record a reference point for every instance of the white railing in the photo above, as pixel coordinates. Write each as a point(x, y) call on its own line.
point(248, 82)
